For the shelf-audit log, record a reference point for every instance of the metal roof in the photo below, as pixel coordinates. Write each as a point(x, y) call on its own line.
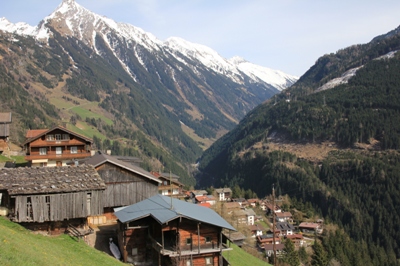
point(101, 158)
point(159, 207)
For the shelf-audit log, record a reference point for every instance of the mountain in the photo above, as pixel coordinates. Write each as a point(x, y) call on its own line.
point(331, 143)
point(162, 100)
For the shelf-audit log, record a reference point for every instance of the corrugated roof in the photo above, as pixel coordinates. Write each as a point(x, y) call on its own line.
point(40, 180)
point(159, 207)
point(101, 158)
point(5, 117)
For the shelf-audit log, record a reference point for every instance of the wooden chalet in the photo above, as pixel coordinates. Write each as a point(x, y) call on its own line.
point(256, 230)
point(170, 185)
point(310, 228)
point(297, 239)
point(57, 146)
point(223, 194)
point(5, 121)
point(51, 197)
point(285, 228)
point(205, 199)
point(126, 183)
point(166, 231)
point(267, 239)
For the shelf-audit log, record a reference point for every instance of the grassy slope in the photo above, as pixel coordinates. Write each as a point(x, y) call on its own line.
point(239, 257)
point(18, 246)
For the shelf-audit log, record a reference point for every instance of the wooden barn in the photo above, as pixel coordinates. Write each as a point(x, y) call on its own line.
point(167, 231)
point(51, 197)
point(57, 146)
point(126, 183)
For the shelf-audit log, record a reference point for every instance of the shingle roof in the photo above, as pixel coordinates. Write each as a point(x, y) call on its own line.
point(159, 207)
point(40, 180)
point(284, 226)
point(5, 117)
point(100, 159)
point(220, 190)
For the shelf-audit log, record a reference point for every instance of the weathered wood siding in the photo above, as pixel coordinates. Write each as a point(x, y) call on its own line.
point(57, 207)
point(188, 230)
point(125, 187)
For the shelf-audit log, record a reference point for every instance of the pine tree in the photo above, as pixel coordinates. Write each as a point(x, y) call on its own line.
point(291, 256)
point(319, 258)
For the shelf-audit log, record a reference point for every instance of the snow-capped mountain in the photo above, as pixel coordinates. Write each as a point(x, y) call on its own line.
point(180, 95)
point(74, 20)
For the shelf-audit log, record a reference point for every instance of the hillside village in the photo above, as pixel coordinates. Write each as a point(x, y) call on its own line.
point(67, 186)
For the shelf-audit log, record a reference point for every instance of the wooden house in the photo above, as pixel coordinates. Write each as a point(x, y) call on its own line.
point(256, 230)
point(297, 239)
point(285, 228)
point(310, 228)
point(267, 239)
point(170, 185)
point(205, 199)
point(223, 194)
point(246, 216)
point(269, 249)
point(166, 231)
point(126, 183)
point(284, 217)
point(5, 121)
point(57, 146)
point(51, 197)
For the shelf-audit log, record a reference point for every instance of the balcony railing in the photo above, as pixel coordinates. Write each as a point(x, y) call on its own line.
point(171, 250)
point(53, 155)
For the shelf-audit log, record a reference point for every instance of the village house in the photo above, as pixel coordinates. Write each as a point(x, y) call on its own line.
point(5, 121)
point(246, 216)
point(57, 146)
point(223, 194)
point(229, 207)
point(205, 199)
point(310, 228)
point(267, 239)
point(285, 228)
point(236, 238)
point(269, 249)
point(126, 184)
point(284, 217)
point(166, 231)
point(256, 230)
point(170, 186)
point(252, 202)
point(297, 239)
point(272, 209)
point(51, 198)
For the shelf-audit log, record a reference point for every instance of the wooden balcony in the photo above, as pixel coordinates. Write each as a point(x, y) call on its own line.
point(170, 250)
point(54, 156)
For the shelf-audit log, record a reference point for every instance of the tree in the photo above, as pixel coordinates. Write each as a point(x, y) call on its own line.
point(291, 257)
point(319, 258)
point(303, 256)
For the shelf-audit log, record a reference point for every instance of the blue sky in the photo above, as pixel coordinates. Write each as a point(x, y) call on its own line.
point(288, 35)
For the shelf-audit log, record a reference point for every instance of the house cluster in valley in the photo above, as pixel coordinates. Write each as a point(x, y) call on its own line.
point(68, 187)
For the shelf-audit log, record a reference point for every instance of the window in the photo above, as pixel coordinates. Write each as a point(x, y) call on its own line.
point(165, 183)
point(65, 137)
point(134, 251)
point(74, 149)
point(58, 136)
point(208, 239)
point(42, 151)
point(49, 137)
point(58, 150)
point(188, 241)
point(88, 202)
point(209, 261)
point(164, 192)
point(188, 263)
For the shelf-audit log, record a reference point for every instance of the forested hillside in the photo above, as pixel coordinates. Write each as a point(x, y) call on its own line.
point(354, 184)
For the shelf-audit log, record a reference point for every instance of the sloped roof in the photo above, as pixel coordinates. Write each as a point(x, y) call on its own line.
point(5, 117)
point(101, 158)
point(40, 180)
point(159, 207)
point(224, 190)
point(34, 134)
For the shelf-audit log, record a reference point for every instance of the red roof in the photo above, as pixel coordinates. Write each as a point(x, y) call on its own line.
point(295, 236)
point(205, 204)
point(283, 214)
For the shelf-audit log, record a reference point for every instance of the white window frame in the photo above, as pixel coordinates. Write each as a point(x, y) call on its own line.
point(43, 151)
point(58, 137)
point(58, 150)
point(50, 137)
point(74, 149)
point(209, 260)
point(65, 136)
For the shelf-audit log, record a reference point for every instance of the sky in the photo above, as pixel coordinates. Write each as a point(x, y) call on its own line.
point(286, 35)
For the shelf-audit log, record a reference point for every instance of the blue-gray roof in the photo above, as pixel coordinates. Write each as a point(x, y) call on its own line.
point(159, 207)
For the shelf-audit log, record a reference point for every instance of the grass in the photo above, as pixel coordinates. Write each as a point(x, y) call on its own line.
point(84, 129)
point(84, 113)
point(17, 159)
point(19, 246)
point(239, 257)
